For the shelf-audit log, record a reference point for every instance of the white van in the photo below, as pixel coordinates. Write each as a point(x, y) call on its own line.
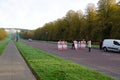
point(111, 45)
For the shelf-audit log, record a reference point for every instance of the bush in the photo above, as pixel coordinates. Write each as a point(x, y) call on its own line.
point(3, 34)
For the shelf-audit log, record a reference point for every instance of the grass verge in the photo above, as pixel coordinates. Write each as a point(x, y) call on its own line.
point(95, 46)
point(3, 44)
point(49, 67)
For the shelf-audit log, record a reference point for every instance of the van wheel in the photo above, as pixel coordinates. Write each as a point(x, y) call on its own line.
point(119, 51)
point(105, 49)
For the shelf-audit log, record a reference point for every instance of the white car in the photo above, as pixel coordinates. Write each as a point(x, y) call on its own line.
point(111, 45)
point(30, 40)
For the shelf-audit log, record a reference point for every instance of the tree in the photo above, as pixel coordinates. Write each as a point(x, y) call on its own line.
point(96, 24)
point(3, 34)
point(105, 11)
point(91, 18)
point(74, 20)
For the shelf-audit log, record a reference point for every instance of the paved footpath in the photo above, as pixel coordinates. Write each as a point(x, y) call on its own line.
point(13, 66)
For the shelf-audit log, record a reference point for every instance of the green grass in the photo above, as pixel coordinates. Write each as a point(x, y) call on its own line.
point(95, 46)
point(50, 67)
point(3, 44)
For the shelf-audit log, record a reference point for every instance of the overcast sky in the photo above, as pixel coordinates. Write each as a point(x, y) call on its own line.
point(31, 14)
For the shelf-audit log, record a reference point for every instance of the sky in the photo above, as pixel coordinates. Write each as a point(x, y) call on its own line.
point(32, 14)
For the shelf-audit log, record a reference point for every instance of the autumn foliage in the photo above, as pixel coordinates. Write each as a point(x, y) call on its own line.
point(95, 24)
point(3, 34)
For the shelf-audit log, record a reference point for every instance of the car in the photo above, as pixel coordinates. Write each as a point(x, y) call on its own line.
point(111, 45)
point(30, 40)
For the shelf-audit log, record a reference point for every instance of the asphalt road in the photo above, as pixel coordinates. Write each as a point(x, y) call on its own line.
point(105, 62)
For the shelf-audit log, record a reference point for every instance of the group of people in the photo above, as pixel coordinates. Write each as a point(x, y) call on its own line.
point(78, 44)
point(81, 44)
point(62, 45)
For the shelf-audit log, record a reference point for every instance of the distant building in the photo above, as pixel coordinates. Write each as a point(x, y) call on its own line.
point(12, 30)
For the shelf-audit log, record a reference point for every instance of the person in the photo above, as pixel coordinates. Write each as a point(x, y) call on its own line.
point(60, 45)
point(89, 45)
point(16, 38)
point(75, 44)
point(73, 47)
point(83, 44)
point(100, 44)
point(64, 45)
point(79, 44)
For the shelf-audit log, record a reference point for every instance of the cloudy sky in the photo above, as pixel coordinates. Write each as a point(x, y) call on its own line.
point(31, 14)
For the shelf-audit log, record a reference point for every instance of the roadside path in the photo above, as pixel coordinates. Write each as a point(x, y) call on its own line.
point(104, 62)
point(13, 66)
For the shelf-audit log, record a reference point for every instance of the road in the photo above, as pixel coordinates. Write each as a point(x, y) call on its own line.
point(105, 62)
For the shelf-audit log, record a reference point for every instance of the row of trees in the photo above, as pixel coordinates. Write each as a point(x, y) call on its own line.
point(95, 24)
point(3, 34)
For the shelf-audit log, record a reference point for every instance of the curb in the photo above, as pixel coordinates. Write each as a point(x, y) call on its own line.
point(33, 72)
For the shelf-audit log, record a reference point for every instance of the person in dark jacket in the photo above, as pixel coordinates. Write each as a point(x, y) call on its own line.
point(100, 45)
point(73, 46)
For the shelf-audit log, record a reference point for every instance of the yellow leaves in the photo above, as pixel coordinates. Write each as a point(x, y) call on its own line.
point(3, 34)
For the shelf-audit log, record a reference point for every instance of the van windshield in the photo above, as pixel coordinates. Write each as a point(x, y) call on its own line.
point(116, 43)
